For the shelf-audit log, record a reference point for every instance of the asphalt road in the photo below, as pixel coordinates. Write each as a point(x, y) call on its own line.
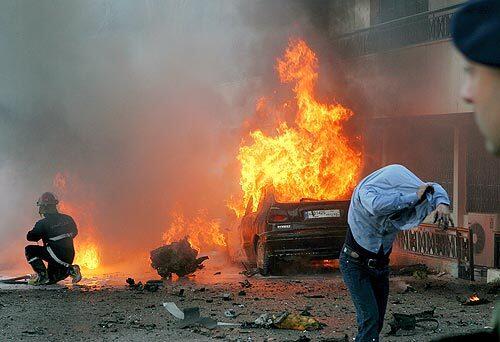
point(105, 309)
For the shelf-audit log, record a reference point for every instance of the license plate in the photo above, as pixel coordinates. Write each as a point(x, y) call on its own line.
point(312, 214)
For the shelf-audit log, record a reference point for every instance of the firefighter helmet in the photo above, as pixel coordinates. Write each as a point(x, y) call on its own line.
point(47, 199)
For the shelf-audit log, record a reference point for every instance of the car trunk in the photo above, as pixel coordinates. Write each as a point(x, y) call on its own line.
point(307, 215)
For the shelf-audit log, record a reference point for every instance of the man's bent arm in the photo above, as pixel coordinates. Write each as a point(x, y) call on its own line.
point(36, 233)
point(440, 196)
point(384, 204)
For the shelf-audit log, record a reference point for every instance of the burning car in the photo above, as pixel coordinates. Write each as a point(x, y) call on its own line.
point(305, 229)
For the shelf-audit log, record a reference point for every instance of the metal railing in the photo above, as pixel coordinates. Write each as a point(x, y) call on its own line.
point(416, 29)
point(454, 244)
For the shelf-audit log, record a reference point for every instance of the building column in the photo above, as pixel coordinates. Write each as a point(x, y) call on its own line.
point(459, 174)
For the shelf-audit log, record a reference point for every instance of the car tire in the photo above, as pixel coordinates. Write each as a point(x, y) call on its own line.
point(264, 261)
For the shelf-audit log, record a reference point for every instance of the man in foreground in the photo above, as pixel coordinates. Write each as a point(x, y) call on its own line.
point(476, 34)
point(385, 202)
point(57, 232)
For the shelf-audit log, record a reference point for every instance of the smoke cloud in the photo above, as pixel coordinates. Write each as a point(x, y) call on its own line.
point(139, 103)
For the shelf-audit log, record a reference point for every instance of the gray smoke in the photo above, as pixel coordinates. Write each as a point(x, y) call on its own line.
point(140, 101)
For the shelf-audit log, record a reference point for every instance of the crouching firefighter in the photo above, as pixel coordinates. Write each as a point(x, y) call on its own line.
point(57, 232)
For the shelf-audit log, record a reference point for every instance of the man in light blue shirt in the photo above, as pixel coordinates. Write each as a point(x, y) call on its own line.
point(385, 202)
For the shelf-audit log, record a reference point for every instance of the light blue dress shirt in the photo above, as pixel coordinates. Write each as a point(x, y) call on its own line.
point(384, 203)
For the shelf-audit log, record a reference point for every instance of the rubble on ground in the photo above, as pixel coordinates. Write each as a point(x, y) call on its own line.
point(405, 321)
point(178, 257)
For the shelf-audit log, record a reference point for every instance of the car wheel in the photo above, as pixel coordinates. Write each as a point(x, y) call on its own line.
point(264, 261)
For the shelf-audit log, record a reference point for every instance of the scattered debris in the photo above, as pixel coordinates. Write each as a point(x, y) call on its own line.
point(420, 274)
point(263, 321)
point(178, 257)
point(475, 300)
point(246, 284)
point(286, 320)
point(218, 273)
point(174, 310)
point(150, 286)
point(297, 322)
point(230, 313)
point(181, 293)
point(191, 317)
point(130, 282)
point(35, 331)
point(403, 321)
point(306, 312)
point(133, 285)
point(242, 293)
point(440, 274)
point(227, 296)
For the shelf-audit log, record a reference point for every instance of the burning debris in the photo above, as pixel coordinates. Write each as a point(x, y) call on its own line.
point(475, 300)
point(178, 257)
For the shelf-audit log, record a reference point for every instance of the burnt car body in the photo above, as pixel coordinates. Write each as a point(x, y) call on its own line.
point(277, 231)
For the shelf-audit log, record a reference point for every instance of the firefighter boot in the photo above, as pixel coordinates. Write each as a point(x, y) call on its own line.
point(41, 277)
point(75, 274)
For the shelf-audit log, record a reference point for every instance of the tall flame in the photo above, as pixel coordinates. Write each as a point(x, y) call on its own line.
point(87, 252)
point(203, 232)
point(312, 159)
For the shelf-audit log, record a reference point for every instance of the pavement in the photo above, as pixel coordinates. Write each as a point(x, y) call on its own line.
point(105, 308)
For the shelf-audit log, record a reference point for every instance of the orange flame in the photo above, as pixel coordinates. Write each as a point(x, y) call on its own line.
point(87, 251)
point(313, 159)
point(473, 298)
point(203, 233)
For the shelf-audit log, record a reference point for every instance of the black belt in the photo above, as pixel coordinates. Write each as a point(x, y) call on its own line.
point(370, 262)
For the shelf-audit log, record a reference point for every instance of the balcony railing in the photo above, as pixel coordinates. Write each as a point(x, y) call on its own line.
point(416, 29)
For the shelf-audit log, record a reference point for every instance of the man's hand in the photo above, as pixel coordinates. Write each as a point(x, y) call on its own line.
point(442, 217)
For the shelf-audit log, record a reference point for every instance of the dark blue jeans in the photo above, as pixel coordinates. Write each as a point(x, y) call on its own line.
point(369, 288)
